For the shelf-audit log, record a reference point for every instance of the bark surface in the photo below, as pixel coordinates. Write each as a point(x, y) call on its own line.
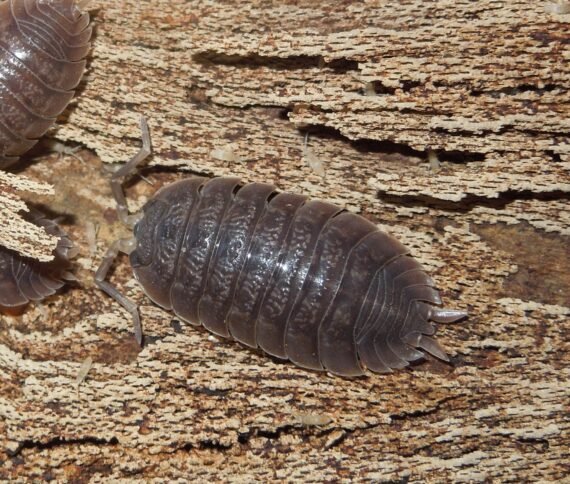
point(447, 123)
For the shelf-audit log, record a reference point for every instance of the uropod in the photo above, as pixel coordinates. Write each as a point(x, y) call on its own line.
point(304, 280)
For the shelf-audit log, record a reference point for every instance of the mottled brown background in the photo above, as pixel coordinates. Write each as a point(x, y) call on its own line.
point(380, 88)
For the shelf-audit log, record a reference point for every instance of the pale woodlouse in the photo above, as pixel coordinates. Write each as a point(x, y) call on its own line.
point(301, 279)
point(43, 44)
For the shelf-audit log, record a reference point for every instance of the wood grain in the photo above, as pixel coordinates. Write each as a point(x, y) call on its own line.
point(349, 102)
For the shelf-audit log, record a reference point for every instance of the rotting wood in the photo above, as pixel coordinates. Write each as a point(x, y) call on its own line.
point(16, 232)
point(233, 88)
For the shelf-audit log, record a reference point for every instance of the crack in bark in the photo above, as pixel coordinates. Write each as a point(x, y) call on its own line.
point(206, 445)
point(428, 411)
point(252, 60)
point(379, 88)
point(60, 442)
point(472, 201)
point(479, 133)
point(388, 147)
point(514, 90)
point(292, 429)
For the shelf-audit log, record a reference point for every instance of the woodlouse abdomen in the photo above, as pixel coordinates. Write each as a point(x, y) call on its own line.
point(42, 48)
point(302, 279)
point(23, 280)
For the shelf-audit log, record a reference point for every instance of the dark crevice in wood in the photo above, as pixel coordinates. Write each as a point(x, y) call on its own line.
point(408, 85)
point(391, 147)
point(176, 325)
point(290, 429)
point(206, 445)
point(555, 156)
point(502, 130)
point(514, 90)
point(275, 434)
point(211, 392)
point(149, 340)
point(471, 201)
point(59, 442)
point(535, 440)
point(253, 61)
point(429, 411)
point(378, 88)
point(456, 156)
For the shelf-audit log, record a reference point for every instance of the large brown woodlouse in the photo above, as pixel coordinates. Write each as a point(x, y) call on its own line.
point(302, 279)
point(23, 280)
point(42, 48)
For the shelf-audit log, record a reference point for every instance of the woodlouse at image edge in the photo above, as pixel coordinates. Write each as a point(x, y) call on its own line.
point(42, 48)
point(23, 280)
point(303, 280)
point(43, 44)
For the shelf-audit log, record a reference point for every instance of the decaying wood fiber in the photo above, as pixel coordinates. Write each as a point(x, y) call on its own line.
point(16, 233)
point(444, 122)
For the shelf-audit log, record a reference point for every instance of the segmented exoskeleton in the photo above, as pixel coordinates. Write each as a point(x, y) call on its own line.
point(23, 280)
point(304, 280)
point(42, 48)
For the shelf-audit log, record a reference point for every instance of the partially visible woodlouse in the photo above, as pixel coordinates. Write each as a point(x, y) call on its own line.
point(23, 280)
point(42, 48)
point(304, 280)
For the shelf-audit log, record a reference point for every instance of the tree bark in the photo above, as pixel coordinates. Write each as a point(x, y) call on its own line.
point(444, 122)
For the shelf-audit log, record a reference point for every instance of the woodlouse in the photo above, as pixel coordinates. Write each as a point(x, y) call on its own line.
point(23, 280)
point(302, 279)
point(42, 48)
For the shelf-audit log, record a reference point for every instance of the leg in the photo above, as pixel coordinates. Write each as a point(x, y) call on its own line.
point(126, 246)
point(127, 170)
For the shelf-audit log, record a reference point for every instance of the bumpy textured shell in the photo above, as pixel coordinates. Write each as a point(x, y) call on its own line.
point(303, 280)
point(42, 46)
point(23, 280)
